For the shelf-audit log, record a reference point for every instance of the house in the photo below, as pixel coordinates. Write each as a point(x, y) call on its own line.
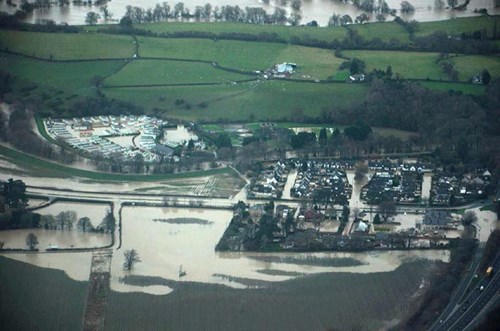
point(356, 78)
point(436, 219)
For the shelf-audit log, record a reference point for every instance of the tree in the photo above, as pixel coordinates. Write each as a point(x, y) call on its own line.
point(105, 12)
point(376, 219)
point(223, 140)
point(380, 18)
point(407, 7)
point(108, 223)
point(469, 217)
point(323, 137)
point(345, 20)
point(126, 22)
point(438, 4)
point(485, 77)
point(334, 20)
point(31, 241)
point(360, 171)
point(296, 4)
point(91, 18)
point(131, 258)
point(295, 18)
point(452, 3)
point(387, 209)
point(14, 192)
point(84, 224)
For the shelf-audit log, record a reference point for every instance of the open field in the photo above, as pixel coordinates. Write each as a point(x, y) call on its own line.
point(417, 65)
point(74, 77)
point(457, 26)
point(41, 167)
point(284, 32)
point(470, 65)
point(384, 31)
point(466, 88)
point(317, 302)
point(241, 55)
point(266, 100)
point(151, 72)
point(67, 46)
point(34, 298)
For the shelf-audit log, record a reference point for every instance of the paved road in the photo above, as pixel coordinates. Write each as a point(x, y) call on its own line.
point(474, 302)
point(461, 289)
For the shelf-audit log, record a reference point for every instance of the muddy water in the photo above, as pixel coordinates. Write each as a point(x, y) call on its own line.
point(94, 211)
point(319, 10)
point(62, 239)
point(164, 247)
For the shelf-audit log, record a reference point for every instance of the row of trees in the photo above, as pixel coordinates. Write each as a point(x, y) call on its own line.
point(163, 12)
point(66, 221)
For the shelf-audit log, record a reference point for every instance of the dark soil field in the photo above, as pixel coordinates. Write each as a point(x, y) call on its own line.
point(340, 301)
point(33, 298)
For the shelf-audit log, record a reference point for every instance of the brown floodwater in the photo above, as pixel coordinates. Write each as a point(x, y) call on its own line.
point(319, 10)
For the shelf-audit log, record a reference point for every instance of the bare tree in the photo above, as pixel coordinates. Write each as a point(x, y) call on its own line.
point(31, 241)
point(387, 209)
point(360, 171)
point(131, 258)
point(469, 218)
point(84, 224)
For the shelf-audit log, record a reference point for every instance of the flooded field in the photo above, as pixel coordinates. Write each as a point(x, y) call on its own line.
point(94, 211)
point(319, 10)
point(166, 246)
point(51, 238)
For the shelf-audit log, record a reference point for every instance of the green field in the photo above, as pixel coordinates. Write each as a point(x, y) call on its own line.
point(246, 56)
point(41, 167)
point(417, 65)
point(150, 72)
point(457, 26)
point(466, 88)
point(70, 77)
point(33, 298)
point(285, 32)
point(67, 46)
point(330, 301)
point(384, 31)
point(267, 100)
point(470, 65)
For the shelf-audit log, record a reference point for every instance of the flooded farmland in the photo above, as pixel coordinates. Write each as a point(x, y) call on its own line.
point(319, 10)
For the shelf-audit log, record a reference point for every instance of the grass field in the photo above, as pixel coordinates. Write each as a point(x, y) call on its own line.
point(466, 88)
point(407, 64)
point(67, 46)
point(35, 298)
point(246, 56)
point(320, 33)
point(148, 72)
point(457, 26)
point(45, 168)
point(321, 302)
point(74, 77)
point(470, 65)
point(384, 31)
point(267, 100)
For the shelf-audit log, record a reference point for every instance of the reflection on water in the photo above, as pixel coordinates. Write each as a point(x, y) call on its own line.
point(319, 10)
point(164, 246)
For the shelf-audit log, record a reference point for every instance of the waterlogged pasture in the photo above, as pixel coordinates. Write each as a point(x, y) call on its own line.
point(35, 298)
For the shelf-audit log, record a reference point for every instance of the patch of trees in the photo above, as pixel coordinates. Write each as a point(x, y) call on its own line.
point(102, 105)
point(19, 219)
point(68, 220)
point(256, 15)
point(490, 251)
point(440, 41)
point(302, 139)
point(439, 117)
point(20, 134)
point(441, 287)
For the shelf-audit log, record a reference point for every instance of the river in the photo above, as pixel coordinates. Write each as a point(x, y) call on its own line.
point(319, 10)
